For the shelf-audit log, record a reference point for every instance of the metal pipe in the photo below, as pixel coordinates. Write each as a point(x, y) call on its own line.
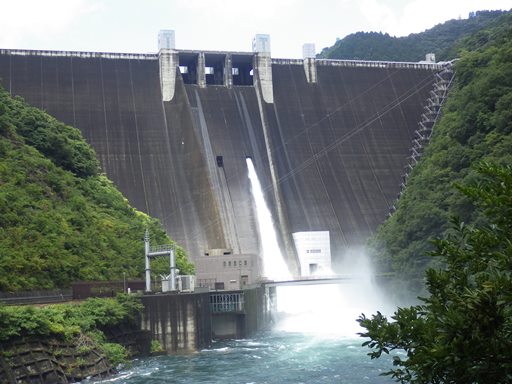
point(148, 267)
point(173, 271)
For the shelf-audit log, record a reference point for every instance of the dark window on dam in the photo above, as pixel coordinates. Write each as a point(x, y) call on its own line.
point(242, 69)
point(214, 68)
point(188, 67)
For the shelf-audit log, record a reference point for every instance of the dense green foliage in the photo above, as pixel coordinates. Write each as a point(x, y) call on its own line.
point(67, 320)
point(62, 221)
point(476, 126)
point(462, 332)
point(438, 40)
point(62, 144)
point(79, 323)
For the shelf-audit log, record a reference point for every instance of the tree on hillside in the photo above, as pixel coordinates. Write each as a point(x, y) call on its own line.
point(462, 332)
point(475, 126)
point(439, 39)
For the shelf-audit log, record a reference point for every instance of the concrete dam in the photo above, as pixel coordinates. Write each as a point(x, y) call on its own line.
point(330, 140)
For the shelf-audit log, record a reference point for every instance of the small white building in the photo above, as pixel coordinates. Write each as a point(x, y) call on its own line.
point(261, 43)
point(308, 51)
point(314, 252)
point(166, 39)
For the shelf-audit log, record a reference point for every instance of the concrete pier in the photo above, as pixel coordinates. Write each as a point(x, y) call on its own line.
point(181, 323)
point(185, 323)
point(168, 60)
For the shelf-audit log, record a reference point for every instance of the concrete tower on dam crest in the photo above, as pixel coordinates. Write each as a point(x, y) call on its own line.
point(331, 140)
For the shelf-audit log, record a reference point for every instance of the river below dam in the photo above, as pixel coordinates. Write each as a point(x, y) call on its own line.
point(313, 339)
point(270, 357)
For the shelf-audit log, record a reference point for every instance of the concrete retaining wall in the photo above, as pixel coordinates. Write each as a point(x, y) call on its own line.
point(182, 323)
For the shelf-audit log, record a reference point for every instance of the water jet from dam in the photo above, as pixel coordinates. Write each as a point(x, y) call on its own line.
point(274, 266)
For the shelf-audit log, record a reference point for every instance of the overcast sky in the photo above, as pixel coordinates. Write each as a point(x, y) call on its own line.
point(133, 25)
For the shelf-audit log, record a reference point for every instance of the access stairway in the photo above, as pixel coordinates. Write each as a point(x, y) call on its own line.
point(429, 117)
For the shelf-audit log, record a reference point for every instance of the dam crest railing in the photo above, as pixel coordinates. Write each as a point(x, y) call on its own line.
point(279, 61)
point(79, 54)
point(365, 63)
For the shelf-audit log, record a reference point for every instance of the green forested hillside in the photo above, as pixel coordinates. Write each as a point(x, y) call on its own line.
point(61, 220)
point(476, 125)
point(439, 40)
point(460, 331)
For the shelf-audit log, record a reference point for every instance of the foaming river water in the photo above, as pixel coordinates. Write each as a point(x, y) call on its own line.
point(271, 357)
point(313, 340)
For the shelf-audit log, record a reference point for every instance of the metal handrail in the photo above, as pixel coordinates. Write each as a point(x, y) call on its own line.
point(162, 248)
point(227, 302)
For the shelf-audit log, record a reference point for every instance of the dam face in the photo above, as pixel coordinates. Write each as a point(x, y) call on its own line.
point(329, 140)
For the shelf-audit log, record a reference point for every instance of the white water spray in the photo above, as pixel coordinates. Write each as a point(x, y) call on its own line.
point(331, 310)
point(274, 266)
point(326, 310)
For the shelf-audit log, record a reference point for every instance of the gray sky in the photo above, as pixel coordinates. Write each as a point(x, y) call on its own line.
point(133, 25)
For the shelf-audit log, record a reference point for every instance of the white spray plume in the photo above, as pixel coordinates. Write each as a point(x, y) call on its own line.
point(332, 309)
point(274, 266)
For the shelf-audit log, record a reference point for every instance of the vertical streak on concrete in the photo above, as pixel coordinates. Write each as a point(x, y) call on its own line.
point(263, 76)
point(10, 75)
point(228, 71)
point(243, 111)
point(73, 91)
point(42, 83)
point(201, 74)
point(174, 183)
point(134, 110)
point(310, 69)
point(107, 146)
point(230, 213)
point(168, 60)
point(221, 193)
point(264, 92)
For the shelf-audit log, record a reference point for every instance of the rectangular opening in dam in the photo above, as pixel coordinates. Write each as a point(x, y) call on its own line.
point(188, 62)
point(214, 68)
point(242, 69)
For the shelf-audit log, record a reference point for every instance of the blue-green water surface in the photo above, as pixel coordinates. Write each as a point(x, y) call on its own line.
point(273, 357)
